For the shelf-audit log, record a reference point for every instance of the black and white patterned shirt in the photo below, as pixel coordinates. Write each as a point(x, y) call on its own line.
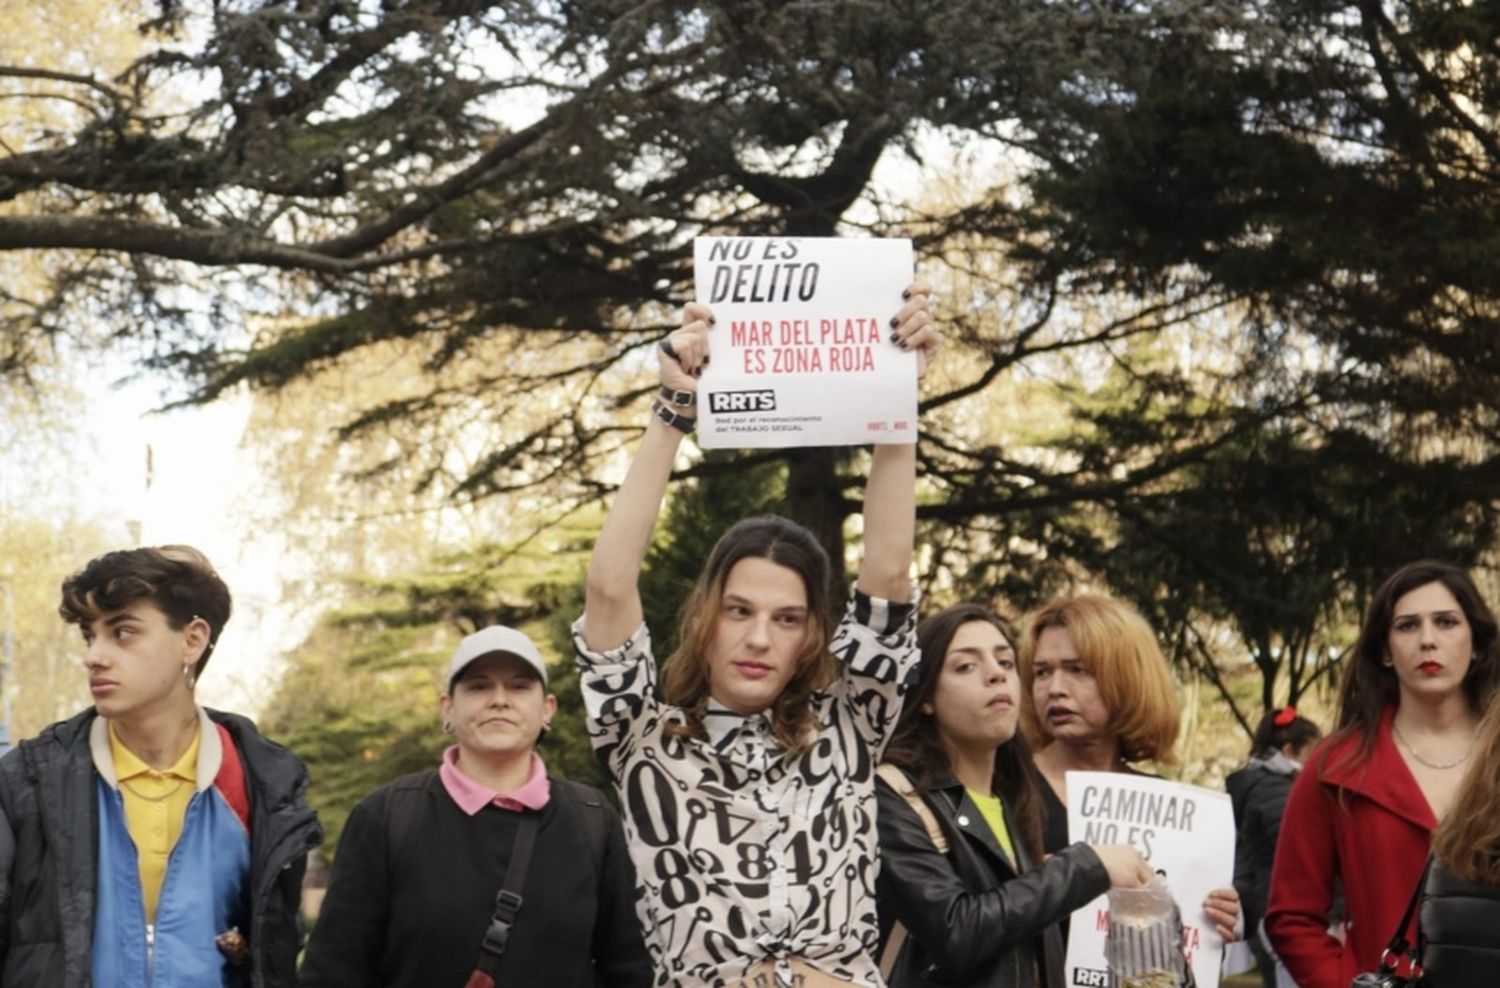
point(743, 853)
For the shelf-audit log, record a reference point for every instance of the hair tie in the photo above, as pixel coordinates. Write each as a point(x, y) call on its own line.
point(1285, 716)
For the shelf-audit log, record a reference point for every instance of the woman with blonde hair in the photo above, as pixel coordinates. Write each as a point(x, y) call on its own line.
point(1461, 905)
point(1102, 699)
point(749, 785)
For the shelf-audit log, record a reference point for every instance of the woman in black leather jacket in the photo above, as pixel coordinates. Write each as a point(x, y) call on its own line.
point(963, 896)
point(1460, 925)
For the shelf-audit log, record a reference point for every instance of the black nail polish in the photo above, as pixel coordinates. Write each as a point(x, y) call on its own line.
point(895, 337)
point(895, 322)
point(906, 293)
point(903, 345)
point(712, 321)
point(705, 361)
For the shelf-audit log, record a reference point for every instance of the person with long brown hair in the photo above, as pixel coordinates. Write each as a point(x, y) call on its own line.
point(973, 902)
point(1102, 701)
point(1461, 903)
point(1361, 814)
point(748, 786)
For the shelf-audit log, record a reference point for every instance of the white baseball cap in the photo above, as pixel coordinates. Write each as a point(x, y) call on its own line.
point(497, 638)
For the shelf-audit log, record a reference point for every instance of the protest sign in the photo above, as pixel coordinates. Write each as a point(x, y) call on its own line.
point(1187, 835)
point(800, 352)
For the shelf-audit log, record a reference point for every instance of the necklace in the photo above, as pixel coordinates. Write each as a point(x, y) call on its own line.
point(1432, 765)
point(175, 789)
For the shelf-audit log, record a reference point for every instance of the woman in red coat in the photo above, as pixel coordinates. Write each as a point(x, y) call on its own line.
point(1361, 815)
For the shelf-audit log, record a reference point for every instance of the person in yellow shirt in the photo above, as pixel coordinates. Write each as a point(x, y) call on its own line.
point(149, 841)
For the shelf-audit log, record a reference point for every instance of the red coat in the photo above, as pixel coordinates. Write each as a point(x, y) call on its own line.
point(1367, 826)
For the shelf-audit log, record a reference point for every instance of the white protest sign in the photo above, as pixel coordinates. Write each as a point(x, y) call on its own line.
point(1187, 835)
point(800, 352)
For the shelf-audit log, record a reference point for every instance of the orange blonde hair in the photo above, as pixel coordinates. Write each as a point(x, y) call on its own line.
point(1120, 651)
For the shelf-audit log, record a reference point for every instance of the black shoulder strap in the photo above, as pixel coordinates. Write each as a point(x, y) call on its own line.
point(593, 816)
point(1399, 945)
point(403, 805)
point(508, 900)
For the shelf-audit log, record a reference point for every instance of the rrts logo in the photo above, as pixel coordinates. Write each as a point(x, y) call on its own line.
point(1085, 977)
point(742, 401)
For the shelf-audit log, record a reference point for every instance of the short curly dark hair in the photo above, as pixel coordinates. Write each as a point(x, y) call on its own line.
point(177, 579)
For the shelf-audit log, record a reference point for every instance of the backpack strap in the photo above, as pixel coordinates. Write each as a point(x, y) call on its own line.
point(403, 806)
point(593, 814)
point(901, 783)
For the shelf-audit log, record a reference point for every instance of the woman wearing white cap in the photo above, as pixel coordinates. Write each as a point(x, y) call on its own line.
point(484, 871)
point(748, 787)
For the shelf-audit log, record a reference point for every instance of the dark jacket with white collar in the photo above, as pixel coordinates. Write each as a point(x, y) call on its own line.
point(972, 917)
point(50, 793)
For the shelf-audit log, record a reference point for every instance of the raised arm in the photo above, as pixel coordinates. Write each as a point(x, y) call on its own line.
point(890, 495)
point(612, 602)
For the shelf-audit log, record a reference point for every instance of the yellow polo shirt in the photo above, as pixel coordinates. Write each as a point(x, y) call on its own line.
point(155, 804)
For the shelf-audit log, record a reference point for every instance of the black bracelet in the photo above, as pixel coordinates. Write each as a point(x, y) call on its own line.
point(682, 423)
point(679, 397)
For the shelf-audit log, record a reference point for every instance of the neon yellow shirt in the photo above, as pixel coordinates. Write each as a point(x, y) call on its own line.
point(155, 804)
point(994, 815)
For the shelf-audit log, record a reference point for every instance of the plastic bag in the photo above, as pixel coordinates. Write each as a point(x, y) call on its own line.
point(1143, 947)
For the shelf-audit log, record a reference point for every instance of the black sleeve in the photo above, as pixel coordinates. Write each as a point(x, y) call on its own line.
point(620, 952)
point(962, 931)
point(1244, 847)
point(348, 938)
point(7, 864)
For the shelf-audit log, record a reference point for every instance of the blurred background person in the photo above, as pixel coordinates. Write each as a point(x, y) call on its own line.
point(1282, 742)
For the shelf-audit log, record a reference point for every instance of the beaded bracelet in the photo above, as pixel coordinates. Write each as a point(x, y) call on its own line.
point(682, 423)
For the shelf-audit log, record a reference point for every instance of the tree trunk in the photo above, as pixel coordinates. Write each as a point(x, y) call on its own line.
point(815, 500)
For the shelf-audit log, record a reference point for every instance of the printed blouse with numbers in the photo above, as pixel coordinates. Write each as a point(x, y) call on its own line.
point(743, 853)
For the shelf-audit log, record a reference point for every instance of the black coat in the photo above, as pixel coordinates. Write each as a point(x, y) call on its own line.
point(1258, 792)
point(48, 855)
point(408, 906)
point(1461, 930)
point(971, 918)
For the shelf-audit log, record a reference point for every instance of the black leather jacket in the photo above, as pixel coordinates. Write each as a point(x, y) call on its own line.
point(970, 918)
point(48, 853)
point(1461, 931)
